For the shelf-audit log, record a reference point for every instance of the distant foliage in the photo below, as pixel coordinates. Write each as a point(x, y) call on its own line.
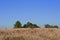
point(56, 26)
point(18, 24)
point(30, 25)
point(35, 26)
point(50, 26)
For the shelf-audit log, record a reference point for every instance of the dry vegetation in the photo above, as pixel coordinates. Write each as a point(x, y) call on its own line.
point(30, 34)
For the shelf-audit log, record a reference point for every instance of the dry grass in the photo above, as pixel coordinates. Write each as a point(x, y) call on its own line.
point(30, 34)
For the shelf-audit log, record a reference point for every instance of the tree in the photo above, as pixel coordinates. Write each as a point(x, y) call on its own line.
point(35, 26)
point(55, 26)
point(17, 24)
point(24, 26)
point(47, 26)
point(30, 25)
point(50, 26)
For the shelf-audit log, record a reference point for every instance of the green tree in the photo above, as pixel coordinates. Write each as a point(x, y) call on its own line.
point(24, 26)
point(50, 26)
point(30, 25)
point(55, 26)
point(47, 26)
point(18, 24)
point(35, 26)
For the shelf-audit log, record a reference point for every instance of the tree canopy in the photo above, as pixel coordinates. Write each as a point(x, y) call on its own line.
point(18, 24)
point(31, 25)
point(50, 26)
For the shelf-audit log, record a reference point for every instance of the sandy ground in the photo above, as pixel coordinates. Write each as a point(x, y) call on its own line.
point(30, 34)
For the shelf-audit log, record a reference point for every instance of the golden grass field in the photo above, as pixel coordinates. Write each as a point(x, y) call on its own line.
point(30, 34)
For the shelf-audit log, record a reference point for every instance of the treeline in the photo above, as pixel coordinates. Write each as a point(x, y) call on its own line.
point(31, 25)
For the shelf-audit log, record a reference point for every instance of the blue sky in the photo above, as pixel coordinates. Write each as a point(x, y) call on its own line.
point(36, 11)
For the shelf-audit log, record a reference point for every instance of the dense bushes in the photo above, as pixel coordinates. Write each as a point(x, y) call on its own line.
point(50, 26)
point(31, 25)
point(27, 25)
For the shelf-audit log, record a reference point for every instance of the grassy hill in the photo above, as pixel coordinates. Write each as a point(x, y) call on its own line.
point(30, 34)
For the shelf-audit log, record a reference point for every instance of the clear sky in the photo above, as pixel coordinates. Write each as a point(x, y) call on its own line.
point(36, 11)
